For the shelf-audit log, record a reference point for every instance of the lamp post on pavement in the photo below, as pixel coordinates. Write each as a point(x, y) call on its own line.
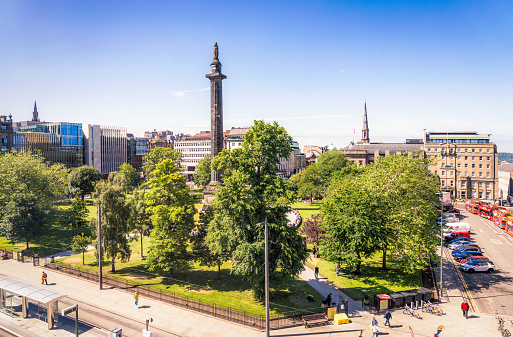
point(441, 243)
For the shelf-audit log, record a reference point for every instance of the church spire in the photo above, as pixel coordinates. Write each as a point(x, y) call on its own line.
point(365, 128)
point(35, 115)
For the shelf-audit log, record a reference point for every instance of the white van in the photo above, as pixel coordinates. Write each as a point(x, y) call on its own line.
point(456, 227)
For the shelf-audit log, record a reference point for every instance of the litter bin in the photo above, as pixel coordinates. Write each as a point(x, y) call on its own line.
point(417, 295)
point(115, 332)
point(342, 307)
point(408, 297)
point(397, 300)
point(427, 295)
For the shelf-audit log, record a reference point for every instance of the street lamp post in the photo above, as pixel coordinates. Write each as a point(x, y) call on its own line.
point(100, 244)
point(441, 243)
point(267, 328)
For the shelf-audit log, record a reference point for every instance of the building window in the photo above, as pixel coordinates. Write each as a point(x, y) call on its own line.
point(459, 150)
point(487, 174)
point(480, 185)
point(452, 173)
point(487, 166)
point(429, 150)
point(466, 150)
point(466, 174)
point(466, 157)
point(473, 158)
point(473, 165)
point(480, 158)
point(473, 185)
point(443, 182)
point(480, 195)
point(488, 158)
point(436, 150)
point(487, 150)
point(459, 157)
point(481, 174)
point(452, 183)
point(459, 165)
point(463, 184)
point(480, 165)
point(473, 150)
point(488, 185)
point(459, 173)
point(488, 195)
point(443, 173)
point(443, 164)
point(473, 174)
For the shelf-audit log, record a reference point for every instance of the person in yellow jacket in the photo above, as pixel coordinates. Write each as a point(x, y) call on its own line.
point(44, 278)
point(136, 298)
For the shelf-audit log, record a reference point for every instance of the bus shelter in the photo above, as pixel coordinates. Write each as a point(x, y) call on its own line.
point(17, 296)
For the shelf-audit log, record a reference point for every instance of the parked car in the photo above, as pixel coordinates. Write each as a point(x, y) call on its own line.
point(478, 266)
point(460, 239)
point(455, 235)
point(459, 244)
point(471, 246)
point(474, 258)
point(462, 256)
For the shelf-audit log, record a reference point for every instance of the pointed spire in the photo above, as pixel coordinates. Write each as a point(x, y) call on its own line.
point(365, 128)
point(35, 115)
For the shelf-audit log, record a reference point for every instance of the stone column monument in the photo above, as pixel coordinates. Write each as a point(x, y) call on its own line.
point(216, 112)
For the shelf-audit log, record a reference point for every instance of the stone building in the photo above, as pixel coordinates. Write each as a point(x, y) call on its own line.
point(6, 132)
point(466, 162)
point(137, 148)
point(193, 149)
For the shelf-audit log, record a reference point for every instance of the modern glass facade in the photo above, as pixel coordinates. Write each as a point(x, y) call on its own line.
point(60, 142)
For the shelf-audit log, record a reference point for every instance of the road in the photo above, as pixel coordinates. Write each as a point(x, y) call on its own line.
point(491, 292)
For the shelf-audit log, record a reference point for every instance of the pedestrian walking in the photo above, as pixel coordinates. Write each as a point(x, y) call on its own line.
point(314, 251)
point(374, 321)
point(44, 278)
point(136, 298)
point(388, 317)
point(316, 272)
point(375, 330)
point(464, 308)
point(338, 268)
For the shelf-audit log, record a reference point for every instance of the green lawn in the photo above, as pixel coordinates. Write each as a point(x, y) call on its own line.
point(57, 237)
point(201, 283)
point(373, 279)
point(306, 210)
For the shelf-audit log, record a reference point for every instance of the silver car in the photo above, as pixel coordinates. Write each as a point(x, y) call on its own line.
point(478, 266)
point(457, 245)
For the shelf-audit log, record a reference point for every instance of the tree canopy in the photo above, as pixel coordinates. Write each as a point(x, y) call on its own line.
point(252, 192)
point(391, 204)
point(130, 174)
point(82, 179)
point(202, 174)
point(158, 155)
point(171, 208)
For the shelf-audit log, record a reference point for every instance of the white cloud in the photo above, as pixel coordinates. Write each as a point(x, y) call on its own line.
point(185, 92)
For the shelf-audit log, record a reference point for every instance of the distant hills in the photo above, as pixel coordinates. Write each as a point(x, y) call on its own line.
point(506, 157)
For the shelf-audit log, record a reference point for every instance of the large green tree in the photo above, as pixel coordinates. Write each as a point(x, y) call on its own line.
point(252, 192)
point(406, 191)
point(139, 217)
point(158, 155)
point(308, 183)
point(389, 205)
point(82, 179)
point(80, 243)
point(128, 171)
point(76, 214)
point(28, 173)
point(202, 174)
point(115, 214)
point(172, 213)
point(23, 219)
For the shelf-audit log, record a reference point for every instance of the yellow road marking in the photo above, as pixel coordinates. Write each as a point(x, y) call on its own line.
point(470, 298)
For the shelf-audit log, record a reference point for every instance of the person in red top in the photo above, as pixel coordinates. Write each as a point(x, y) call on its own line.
point(464, 308)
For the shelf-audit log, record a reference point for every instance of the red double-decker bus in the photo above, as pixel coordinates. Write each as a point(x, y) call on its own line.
point(472, 205)
point(485, 210)
point(500, 215)
point(509, 225)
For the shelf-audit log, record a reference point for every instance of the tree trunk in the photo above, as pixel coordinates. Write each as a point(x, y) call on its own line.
point(83, 257)
point(171, 273)
point(27, 245)
point(72, 230)
point(358, 264)
point(113, 266)
point(219, 270)
point(142, 255)
point(384, 260)
point(83, 196)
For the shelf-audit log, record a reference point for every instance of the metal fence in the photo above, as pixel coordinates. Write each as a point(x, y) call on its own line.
point(277, 321)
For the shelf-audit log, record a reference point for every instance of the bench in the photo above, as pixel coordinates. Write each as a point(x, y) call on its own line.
point(315, 319)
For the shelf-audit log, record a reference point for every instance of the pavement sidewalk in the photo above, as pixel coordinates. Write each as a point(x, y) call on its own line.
point(173, 321)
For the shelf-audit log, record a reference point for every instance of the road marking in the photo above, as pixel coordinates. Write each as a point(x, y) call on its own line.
point(481, 230)
point(497, 242)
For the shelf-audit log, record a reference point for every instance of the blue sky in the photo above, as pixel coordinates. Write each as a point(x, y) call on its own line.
point(310, 65)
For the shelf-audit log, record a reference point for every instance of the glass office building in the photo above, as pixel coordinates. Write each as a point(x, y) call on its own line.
point(59, 142)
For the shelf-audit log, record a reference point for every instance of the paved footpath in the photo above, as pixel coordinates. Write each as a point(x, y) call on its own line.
point(117, 308)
